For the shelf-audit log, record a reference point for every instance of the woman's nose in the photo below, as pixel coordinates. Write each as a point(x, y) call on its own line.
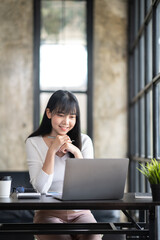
point(66, 120)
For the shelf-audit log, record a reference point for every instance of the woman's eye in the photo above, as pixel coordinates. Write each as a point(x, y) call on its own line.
point(72, 116)
point(60, 114)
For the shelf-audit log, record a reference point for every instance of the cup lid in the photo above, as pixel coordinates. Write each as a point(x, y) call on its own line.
point(5, 178)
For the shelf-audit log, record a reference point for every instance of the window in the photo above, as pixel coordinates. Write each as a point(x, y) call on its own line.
point(144, 87)
point(63, 54)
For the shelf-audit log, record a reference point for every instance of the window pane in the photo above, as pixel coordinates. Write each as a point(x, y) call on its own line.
point(136, 177)
point(136, 64)
point(44, 97)
point(82, 99)
point(75, 18)
point(142, 128)
point(142, 66)
point(149, 52)
point(136, 129)
point(132, 131)
point(141, 180)
point(51, 21)
point(149, 129)
point(141, 6)
point(136, 17)
point(63, 67)
point(63, 50)
point(148, 5)
point(131, 77)
point(158, 120)
point(63, 21)
point(158, 39)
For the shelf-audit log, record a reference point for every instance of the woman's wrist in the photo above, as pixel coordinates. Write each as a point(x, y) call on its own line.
point(78, 154)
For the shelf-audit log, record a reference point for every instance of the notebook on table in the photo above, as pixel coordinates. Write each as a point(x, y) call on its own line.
point(94, 179)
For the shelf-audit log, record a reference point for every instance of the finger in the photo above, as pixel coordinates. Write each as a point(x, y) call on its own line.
point(64, 147)
point(64, 150)
point(64, 138)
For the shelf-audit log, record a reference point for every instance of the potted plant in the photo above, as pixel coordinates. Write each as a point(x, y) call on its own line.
point(152, 172)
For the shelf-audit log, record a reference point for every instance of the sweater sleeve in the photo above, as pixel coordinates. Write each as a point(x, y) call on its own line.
point(87, 147)
point(38, 178)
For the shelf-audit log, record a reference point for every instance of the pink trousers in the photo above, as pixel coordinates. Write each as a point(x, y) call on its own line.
point(65, 216)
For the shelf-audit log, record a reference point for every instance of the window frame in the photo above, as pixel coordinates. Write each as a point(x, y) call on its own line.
point(137, 91)
point(36, 70)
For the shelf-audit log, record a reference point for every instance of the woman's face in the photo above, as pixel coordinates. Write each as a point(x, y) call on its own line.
point(61, 123)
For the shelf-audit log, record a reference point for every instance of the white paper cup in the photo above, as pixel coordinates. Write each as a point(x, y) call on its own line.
point(5, 186)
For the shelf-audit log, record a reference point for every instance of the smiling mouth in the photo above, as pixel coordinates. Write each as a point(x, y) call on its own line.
point(64, 128)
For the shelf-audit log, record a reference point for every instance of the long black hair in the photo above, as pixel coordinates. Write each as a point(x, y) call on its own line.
point(64, 102)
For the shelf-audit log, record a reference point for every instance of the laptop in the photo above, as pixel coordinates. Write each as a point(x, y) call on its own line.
point(94, 179)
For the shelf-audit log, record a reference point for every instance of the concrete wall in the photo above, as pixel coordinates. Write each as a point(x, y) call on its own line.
point(16, 80)
point(110, 78)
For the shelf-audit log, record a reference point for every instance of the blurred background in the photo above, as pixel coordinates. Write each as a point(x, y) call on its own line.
point(75, 45)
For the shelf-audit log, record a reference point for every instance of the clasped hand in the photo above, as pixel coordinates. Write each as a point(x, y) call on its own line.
point(63, 144)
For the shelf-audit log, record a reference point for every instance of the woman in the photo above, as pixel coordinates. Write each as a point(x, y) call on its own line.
point(58, 138)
